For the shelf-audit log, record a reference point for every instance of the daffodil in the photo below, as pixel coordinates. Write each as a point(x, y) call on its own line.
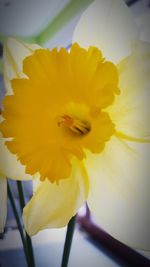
point(76, 120)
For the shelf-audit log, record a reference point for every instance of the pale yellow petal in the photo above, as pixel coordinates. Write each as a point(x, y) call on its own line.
point(130, 112)
point(120, 191)
point(109, 26)
point(14, 53)
point(3, 203)
point(35, 183)
point(53, 205)
point(9, 165)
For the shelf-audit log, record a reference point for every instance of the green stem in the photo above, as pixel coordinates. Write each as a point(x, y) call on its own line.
point(11, 198)
point(21, 194)
point(68, 242)
point(28, 239)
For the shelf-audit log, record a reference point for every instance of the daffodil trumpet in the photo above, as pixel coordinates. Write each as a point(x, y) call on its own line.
point(77, 122)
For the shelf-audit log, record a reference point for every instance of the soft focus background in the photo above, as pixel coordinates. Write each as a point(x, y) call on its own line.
point(51, 23)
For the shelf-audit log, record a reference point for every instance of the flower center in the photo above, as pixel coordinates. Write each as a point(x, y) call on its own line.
point(75, 118)
point(77, 126)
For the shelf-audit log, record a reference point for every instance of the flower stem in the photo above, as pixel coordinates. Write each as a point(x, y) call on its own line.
point(68, 242)
point(28, 239)
point(11, 198)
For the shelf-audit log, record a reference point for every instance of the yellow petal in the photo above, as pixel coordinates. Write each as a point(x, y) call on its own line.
point(109, 26)
point(53, 205)
point(14, 53)
point(10, 166)
point(120, 190)
point(130, 112)
point(3, 202)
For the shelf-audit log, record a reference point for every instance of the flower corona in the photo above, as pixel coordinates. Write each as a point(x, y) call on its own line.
point(67, 116)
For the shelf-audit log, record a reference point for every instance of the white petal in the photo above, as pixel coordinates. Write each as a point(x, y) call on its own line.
point(130, 112)
point(120, 191)
point(53, 205)
point(109, 26)
point(14, 53)
point(9, 165)
point(3, 203)
point(36, 183)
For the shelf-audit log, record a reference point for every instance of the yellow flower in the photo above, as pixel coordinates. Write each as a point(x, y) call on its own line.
point(74, 119)
point(52, 119)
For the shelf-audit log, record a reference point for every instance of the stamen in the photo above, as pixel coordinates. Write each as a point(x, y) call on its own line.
point(76, 125)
